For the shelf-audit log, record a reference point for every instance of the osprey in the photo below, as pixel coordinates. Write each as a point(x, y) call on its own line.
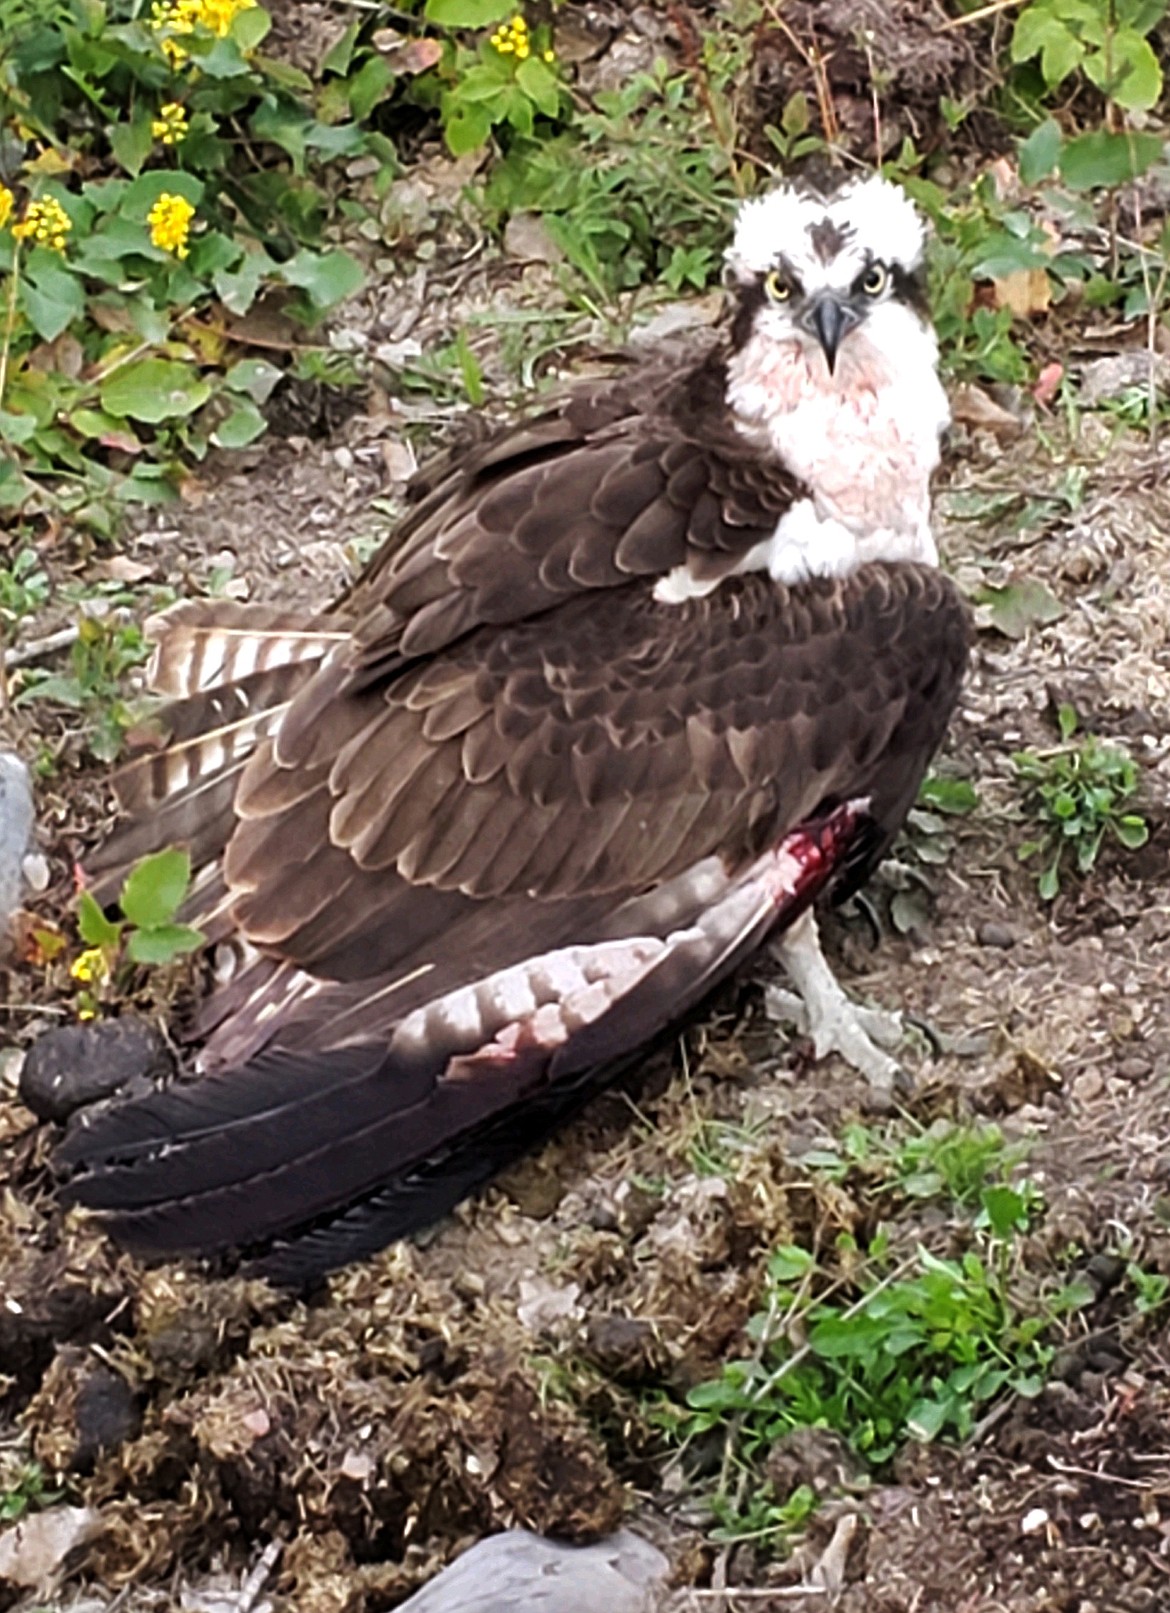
point(634, 683)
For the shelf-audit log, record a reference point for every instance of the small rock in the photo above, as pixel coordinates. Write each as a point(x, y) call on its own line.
point(36, 872)
point(519, 1572)
point(16, 826)
point(1087, 1087)
point(34, 1550)
point(992, 934)
point(1033, 1521)
point(74, 1065)
point(1135, 1068)
point(1105, 378)
point(527, 237)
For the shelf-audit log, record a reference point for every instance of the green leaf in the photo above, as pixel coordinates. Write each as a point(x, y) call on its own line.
point(142, 193)
point(467, 129)
point(926, 1419)
point(250, 26)
point(789, 1263)
point(51, 296)
point(131, 142)
point(1006, 1210)
point(154, 389)
point(1131, 830)
point(154, 888)
point(1040, 152)
point(1013, 609)
point(326, 278)
point(1102, 159)
point(163, 943)
point(1049, 883)
point(540, 85)
point(255, 376)
point(95, 929)
point(370, 84)
point(17, 428)
point(468, 13)
point(339, 55)
point(957, 796)
point(1062, 54)
point(237, 289)
point(1129, 74)
point(242, 426)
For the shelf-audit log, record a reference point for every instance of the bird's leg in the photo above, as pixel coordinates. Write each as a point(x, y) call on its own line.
point(824, 1012)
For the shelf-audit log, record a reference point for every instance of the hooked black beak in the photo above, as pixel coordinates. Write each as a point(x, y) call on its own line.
point(830, 321)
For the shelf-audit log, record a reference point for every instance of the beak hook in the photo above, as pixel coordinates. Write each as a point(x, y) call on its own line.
point(830, 321)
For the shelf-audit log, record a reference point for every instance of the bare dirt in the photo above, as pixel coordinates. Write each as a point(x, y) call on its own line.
point(498, 1370)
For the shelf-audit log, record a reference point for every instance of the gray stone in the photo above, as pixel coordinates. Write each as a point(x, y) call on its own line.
point(73, 1065)
point(519, 1572)
point(16, 825)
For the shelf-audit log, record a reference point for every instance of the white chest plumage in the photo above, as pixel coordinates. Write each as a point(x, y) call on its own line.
point(864, 441)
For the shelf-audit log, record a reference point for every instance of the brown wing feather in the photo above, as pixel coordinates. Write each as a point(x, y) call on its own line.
point(492, 771)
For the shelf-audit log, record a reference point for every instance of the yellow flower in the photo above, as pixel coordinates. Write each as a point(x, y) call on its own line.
point(180, 16)
point(512, 39)
point(45, 223)
point(175, 53)
point(170, 223)
point(218, 15)
point(549, 55)
point(92, 965)
point(171, 124)
point(7, 203)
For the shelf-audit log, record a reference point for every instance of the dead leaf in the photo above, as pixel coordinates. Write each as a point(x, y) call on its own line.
point(64, 356)
point(405, 55)
point(399, 459)
point(1027, 292)
point(120, 568)
point(972, 406)
point(33, 1551)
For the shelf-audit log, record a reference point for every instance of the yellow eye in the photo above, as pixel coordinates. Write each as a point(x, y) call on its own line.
point(873, 281)
point(777, 287)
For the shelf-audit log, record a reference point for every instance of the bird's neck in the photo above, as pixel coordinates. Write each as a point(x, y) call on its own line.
point(863, 440)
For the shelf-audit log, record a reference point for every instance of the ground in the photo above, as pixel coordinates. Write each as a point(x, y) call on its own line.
point(497, 1371)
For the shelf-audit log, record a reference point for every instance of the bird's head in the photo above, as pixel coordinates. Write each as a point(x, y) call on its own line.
point(817, 270)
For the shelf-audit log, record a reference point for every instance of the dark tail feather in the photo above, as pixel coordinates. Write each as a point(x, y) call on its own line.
point(418, 1197)
point(238, 1158)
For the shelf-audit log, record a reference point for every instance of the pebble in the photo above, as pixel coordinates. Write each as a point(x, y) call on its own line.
point(992, 934)
point(519, 1572)
point(1087, 1087)
point(73, 1065)
point(16, 826)
point(1033, 1521)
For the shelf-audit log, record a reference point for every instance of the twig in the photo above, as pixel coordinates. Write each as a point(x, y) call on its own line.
point(1096, 1473)
point(786, 1593)
point(9, 320)
point(991, 10)
point(815, 62)
point(1155, 292)
point(22, 654)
